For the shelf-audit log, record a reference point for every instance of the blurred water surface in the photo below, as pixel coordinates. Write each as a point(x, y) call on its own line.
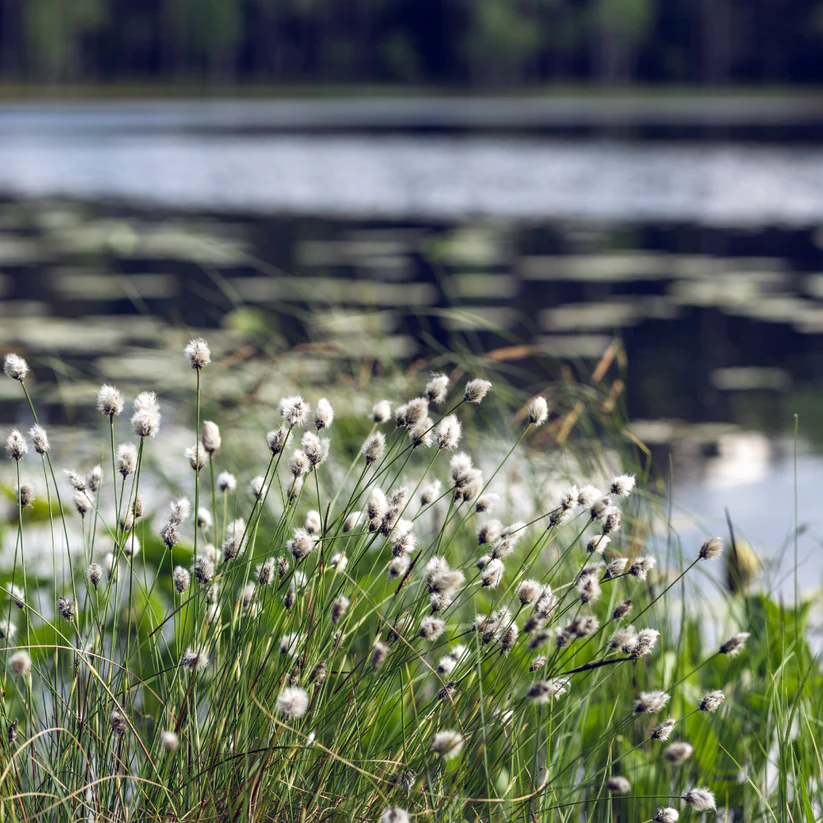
point(703, 257)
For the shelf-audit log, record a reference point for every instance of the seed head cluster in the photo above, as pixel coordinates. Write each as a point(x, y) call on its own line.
point(316, 590)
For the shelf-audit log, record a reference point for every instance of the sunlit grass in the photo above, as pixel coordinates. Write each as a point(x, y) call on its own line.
point(283, 659)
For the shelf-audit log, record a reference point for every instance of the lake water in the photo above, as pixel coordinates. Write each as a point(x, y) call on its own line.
point(703, 256)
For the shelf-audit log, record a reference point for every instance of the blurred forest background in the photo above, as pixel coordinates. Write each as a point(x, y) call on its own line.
point(372, 185)
point(447, 43)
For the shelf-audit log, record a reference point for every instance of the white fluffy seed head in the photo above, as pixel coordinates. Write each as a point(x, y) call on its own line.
point(17, 595)
point(170, 535)
point(117, 722)
point(169, 741)
point(39, 439)
point(25, 494)
point(431, 627)
point(492, 573)
point(663, 731)
point(373, 447)
point(486, 502)
point(94, 478)
point(734, 645)
point(196, 455)
point(198, 353)
point(622, 485)
point(489, 533)
point(600, 508)
point(381, 411)
point(351, 521)
point(712, 701)
point(476, 390)
point(82, 503)
point(338, 608)
point(293, 703)
point(712, 547)
point(544, 691)
point(624, 639)
point(20, 663)
point(569, 498)
point(95, 574)
point(295, 410)
point(645, 642)
point(234, 540)
point(378, 655)
point(210, 436)
point(448, 744)
point(67, 608)
point(415, 412)
point(126, 458)
point(538, 411)
point(301, 544)
point(204, 518)
point(651, 702)
point(315, 448)
point(146, 418)
point(598, 544)
point(394, 815)
point(77, 481)
point(449, 433)
point(15, 367)
point(258, 487)
point(666, 814)
point(299, 463)
point(179, 510)
point(616, 567)
point(430, 493)
point(589, 589)
point(181, 579)
point(131, 545)
point(313, 522)
point(276, 440)
point(611, 522)
point(16, 445)
point(323, 414)
point(422, 433)
point(440, 578)
point(437, 388)
point(678, 753)
point(203, 569)
point(529, 591)
point(588, 496)
point(618, 785)
point(294, 488)
point(700, 799)
point(377, 504)
point(109, 401)
point(226, 482)
point(642, 566)
point(196, 660)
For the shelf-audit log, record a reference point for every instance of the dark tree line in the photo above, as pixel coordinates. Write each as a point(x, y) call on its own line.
point(464, 43)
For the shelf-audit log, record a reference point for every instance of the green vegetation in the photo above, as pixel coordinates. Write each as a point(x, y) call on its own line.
point(411, 42)
point(285, 660)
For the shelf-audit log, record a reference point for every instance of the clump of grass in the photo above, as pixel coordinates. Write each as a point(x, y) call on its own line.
point(377, 641)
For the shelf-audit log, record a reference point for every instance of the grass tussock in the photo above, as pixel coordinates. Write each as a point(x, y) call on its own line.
point(379, 635)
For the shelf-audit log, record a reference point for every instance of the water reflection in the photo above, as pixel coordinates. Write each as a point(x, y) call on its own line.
point(433, 177)
point(705, 260)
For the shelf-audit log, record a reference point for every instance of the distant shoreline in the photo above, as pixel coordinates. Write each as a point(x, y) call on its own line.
point(671, 112)
point(44, 92)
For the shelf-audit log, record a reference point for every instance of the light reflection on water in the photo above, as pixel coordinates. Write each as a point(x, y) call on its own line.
point(705, 259)
point(432, 177)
